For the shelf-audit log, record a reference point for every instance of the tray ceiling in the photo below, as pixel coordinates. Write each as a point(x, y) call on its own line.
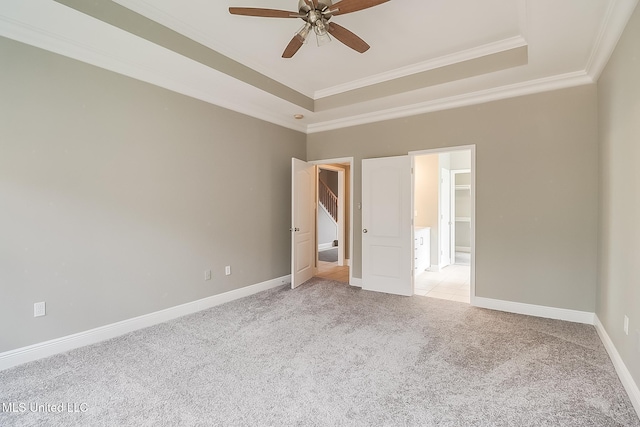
point(424, 56)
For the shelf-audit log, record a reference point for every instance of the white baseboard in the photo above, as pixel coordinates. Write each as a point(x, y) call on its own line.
point(356, 281)
point(59, 345)
point(625, 376)
point(325, 246)
point(535, 310)
point(463, 249)
point(348, 262)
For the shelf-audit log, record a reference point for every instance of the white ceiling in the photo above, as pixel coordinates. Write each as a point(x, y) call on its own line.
point(400, 32)
point(568, 41)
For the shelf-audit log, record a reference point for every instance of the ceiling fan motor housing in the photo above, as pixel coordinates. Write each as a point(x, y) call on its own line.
point(321, 5)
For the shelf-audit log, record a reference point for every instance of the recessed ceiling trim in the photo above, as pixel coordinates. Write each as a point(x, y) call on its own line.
point(450, 73)
point(25, 33)
point(465, 55)
point(618, 14)
point(134, 23)
point(152, 12)
point(494, 94)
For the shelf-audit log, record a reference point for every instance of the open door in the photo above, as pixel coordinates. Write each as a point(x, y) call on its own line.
point(303, 225)
point(386, 225)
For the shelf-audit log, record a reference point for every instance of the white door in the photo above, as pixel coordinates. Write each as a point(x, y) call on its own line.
point(445, 217)
point(303, 226)
point(386, 225)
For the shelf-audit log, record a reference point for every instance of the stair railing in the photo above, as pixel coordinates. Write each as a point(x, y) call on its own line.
point(329, 200)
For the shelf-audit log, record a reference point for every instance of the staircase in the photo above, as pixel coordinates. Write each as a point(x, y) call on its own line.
point(328, 200)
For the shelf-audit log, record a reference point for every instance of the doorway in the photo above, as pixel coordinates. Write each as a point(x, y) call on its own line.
point(334, 218)
point(443, 209)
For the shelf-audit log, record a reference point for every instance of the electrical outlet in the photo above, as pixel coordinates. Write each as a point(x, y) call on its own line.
point(39, 309)
point(626, 325)
point(227, 270)
point(207, 275)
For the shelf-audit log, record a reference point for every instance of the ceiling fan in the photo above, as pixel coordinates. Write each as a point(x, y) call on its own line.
point(316, 14)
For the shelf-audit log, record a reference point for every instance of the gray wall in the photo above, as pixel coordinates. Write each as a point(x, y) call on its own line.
point(116, 196)
point(536, 200)
point(331, 179)
point(619, 232)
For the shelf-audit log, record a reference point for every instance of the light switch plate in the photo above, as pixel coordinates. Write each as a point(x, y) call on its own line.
point(626, 325)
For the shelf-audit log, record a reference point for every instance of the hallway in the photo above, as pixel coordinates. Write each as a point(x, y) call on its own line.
point(332, 271)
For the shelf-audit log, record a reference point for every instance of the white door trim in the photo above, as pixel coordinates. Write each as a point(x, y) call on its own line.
point(471, 148)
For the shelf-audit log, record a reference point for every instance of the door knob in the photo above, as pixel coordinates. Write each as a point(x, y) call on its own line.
point(364, 231)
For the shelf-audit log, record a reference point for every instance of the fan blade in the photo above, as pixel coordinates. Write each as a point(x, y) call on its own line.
point(265, 13)
point(348, 6)
point(294, 45)
point(347, 37)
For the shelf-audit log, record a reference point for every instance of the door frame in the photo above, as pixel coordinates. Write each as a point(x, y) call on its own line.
point(472, 149)
point(343, 160)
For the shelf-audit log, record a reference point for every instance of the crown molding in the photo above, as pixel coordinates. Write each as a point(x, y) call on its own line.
point(55, 43)
point(503, 92)
point(615, 20)
point(152, 12)
point(442, 61)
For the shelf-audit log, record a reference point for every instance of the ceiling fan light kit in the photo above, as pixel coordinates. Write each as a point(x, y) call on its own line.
point(316, 14)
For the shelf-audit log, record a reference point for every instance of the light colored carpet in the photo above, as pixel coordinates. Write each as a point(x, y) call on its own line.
point(327, 354)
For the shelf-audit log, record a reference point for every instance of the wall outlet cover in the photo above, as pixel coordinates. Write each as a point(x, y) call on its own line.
point(227, 270)
point(39, 309)
point(207, 275)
